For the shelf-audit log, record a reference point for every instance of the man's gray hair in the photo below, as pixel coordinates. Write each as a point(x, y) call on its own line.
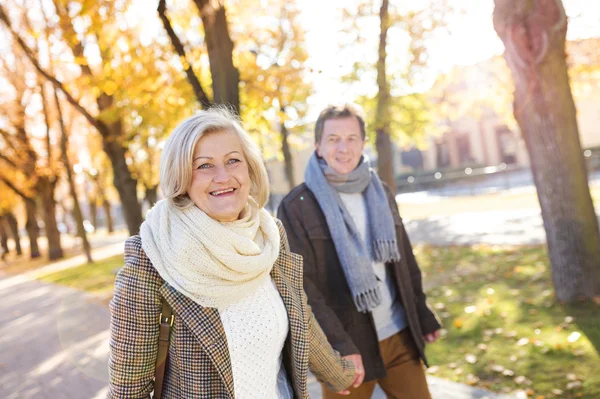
point(338, 111)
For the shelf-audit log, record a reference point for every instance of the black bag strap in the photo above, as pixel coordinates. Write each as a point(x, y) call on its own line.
point(166, 323)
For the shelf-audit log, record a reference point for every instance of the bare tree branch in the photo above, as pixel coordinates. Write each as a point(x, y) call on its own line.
point(14, 188)
point(176, 42)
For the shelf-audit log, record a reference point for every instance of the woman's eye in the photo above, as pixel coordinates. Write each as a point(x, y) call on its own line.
point(233, 160)
point(203, 166)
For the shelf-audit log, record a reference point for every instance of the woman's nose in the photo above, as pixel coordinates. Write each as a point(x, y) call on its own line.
point(221, 175)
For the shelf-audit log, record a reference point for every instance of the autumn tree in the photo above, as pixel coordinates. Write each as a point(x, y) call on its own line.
point(534, 34)
point(275, 79)
point(395, 80)
point(224, 75)
point(106, 119)
point(31, 176)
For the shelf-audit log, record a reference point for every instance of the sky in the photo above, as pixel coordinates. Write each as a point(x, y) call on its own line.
point(471, 38)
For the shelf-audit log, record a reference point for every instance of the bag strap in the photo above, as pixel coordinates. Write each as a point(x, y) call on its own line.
point(166, 322)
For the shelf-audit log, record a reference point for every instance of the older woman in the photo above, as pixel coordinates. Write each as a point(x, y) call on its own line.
point(242, 328)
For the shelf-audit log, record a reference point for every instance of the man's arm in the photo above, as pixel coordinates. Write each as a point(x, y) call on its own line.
point(427, 318)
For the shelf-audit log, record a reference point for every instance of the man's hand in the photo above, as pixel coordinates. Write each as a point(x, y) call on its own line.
point(359, 372)
point(432, 337)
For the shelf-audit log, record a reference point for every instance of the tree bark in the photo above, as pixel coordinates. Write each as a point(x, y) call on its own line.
point(534, 35)
point(13, 226)
point(46, 188)
point(383, 143)
point(151, 195)
point(93, 212)
point(32, 228)
point(287, 155)
point(108, 215)
point(225, 76)
point(67, 163)
point(3, 237)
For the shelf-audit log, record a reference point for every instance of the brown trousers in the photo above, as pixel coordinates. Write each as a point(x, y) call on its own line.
point(405, 377)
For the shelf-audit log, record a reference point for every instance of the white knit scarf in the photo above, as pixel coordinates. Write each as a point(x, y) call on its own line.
point(210, 262)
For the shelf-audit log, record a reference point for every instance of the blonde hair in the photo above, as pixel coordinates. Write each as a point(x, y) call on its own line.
point(177, 156)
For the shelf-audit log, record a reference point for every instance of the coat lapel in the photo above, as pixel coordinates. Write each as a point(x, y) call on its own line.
point(205, 324)
point(287, 266)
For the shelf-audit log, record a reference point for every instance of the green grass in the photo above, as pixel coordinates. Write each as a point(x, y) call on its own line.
point(97, 278)
point(503, 329)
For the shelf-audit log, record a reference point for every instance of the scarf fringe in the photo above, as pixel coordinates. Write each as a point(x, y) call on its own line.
point(386, 251)
point(369, 300)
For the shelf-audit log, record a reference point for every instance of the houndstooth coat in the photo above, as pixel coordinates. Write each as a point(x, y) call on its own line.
point(198, 363)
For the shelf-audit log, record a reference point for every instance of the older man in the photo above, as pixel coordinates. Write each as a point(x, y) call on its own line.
point(360, 274)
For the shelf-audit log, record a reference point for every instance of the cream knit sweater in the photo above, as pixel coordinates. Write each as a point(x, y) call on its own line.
point(256, 328)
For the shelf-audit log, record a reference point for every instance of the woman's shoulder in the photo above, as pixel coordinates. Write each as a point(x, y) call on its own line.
point(136, 261)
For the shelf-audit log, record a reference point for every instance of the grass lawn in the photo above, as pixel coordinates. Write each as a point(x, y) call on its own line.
point(97, 278)
point(503, 329)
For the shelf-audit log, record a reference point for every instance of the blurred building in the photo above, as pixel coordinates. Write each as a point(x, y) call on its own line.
point(473, 119)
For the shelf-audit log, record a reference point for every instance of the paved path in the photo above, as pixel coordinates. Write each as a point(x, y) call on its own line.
point(514, 227)
point(54, 341)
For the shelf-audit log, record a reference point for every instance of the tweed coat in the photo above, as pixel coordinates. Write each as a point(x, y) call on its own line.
point(349, 330)
point(199, 364)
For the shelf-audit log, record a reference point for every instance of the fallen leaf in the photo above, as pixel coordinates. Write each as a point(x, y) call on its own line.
point(472, 380)
point(498, 368)
point(574, 336)
point(520, 380)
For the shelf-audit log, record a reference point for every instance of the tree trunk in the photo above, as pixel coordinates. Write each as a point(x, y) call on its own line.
point(3, 237)
point(151, 195)
point(225, 76)
point(93, 212)
point(67, 163)
point(32, 228)
point(383, 143)
point(287, 156)
point(108, 215)
point(46, 190)
point(534, 35)
point(13, 226)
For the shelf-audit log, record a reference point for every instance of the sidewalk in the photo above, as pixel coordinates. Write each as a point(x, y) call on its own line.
point(54, 341)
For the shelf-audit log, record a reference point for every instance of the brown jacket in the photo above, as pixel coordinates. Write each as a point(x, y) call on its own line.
point(198, 363)
point(348, 330)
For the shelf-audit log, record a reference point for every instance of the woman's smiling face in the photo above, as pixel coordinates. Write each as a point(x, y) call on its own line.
point(220, 181)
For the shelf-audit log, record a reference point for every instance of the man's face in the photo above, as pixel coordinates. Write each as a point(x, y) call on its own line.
point(341, 144)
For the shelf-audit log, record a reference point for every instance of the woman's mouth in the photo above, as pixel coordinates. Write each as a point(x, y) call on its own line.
point(223, 192)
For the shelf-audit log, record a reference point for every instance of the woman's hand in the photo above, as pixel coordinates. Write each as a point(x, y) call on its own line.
point(359, 370)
